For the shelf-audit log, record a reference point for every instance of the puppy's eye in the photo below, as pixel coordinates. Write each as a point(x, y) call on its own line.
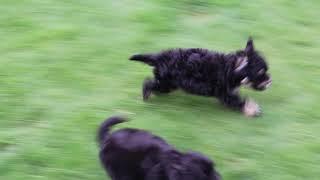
point(261, 71)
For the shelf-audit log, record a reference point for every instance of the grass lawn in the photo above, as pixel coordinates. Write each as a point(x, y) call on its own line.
point(64, 69)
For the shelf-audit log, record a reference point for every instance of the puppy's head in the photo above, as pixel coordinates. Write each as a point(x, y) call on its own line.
point(255, 68)
point(190, 166)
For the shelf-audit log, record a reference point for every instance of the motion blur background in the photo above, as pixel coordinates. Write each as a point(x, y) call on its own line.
point(65, 68)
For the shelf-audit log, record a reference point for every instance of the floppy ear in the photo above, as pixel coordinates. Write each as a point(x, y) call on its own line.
point(249, 48)
point(205, 164)
point(155, 173)
point(172, 165)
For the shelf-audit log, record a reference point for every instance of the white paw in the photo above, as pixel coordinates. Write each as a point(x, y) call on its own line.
point(251, 108)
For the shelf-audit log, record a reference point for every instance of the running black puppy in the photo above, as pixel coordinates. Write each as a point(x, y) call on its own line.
point(132, 154)
point(208, 73)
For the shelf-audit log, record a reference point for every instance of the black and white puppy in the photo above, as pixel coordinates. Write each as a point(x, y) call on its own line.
point(133, 154)
point(208, 73)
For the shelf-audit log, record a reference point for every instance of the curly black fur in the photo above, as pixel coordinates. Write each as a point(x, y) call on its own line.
point(132, 154)
point(208, 73)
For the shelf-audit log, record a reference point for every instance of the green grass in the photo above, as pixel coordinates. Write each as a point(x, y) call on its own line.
point(64, 69)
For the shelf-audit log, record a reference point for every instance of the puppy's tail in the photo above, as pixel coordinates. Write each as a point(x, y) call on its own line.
point(104, 129)
point(146, 58)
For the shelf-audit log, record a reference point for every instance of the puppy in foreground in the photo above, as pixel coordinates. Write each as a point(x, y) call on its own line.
point(133, 154)
point(208, 73)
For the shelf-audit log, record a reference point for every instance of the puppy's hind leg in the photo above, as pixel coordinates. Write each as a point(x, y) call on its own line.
point(156, 86)
point(147, 87)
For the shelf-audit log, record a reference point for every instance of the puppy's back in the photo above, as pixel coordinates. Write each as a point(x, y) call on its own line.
point(134, 140)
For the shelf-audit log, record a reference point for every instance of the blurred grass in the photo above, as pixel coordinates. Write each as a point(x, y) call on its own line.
point(64, 69)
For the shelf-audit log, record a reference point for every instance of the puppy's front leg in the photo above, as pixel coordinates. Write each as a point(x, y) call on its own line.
point(247, 106)
point(251, 108)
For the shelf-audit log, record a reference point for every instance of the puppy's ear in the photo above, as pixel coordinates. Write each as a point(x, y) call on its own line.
point(204, 163)
point(155, 173)
point(250, 47)
point(171, 161)
point(241, 63)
